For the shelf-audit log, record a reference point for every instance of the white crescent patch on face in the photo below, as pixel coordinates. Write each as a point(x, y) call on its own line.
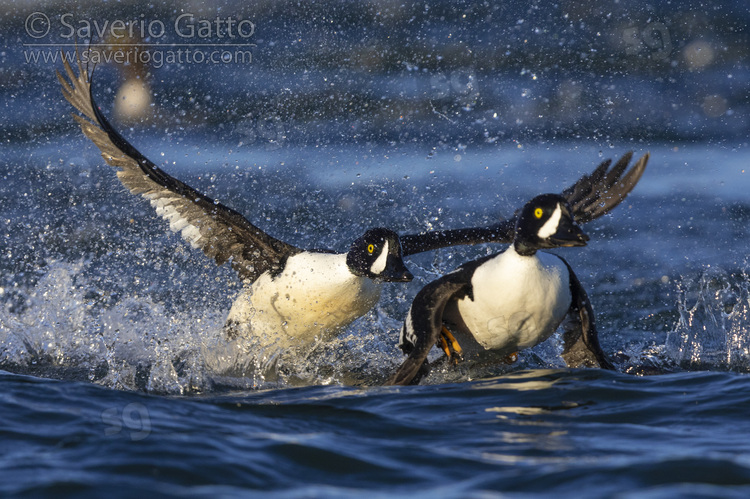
point(378, 265)
point(550, 226)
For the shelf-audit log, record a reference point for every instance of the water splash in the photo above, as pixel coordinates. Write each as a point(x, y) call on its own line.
point(54, 305)
point(137, 343)
point(63, 331)
point(712, 330)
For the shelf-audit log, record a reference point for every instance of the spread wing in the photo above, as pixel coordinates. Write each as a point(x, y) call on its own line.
point(596, 194)
point(592, 196)
point(424, 322)
point(501, 232)
point(581, 339)
point(222, 233)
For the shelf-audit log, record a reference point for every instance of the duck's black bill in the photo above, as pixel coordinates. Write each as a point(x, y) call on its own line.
point(396, 271)
point(569, 234)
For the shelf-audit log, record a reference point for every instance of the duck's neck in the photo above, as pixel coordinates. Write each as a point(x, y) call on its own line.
point(523, 249)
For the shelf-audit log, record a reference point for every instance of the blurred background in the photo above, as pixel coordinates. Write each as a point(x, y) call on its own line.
point(454, 73)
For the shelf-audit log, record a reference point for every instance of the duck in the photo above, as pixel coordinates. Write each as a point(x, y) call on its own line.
point(292, 293)
point(507, 301)
point(293, 296)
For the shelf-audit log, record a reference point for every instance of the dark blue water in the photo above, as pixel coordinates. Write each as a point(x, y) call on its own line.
point(542, 432)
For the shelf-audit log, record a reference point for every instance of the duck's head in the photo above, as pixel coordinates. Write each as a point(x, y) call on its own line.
point(546, 222)
point(377, 255)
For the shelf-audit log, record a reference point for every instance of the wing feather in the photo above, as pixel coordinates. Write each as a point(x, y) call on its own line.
point(581, 338)
point(220, 232)
point(597, 194)
point(425, 321)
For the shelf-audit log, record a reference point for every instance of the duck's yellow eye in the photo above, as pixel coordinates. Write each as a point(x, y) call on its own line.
point(370, 248)
point(538, 213)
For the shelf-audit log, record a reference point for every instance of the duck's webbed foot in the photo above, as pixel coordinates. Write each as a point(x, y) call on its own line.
point(450, 346)
point(511, 358)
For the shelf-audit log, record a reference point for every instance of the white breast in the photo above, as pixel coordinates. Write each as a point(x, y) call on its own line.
point(519, 301)
point(315, 296)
